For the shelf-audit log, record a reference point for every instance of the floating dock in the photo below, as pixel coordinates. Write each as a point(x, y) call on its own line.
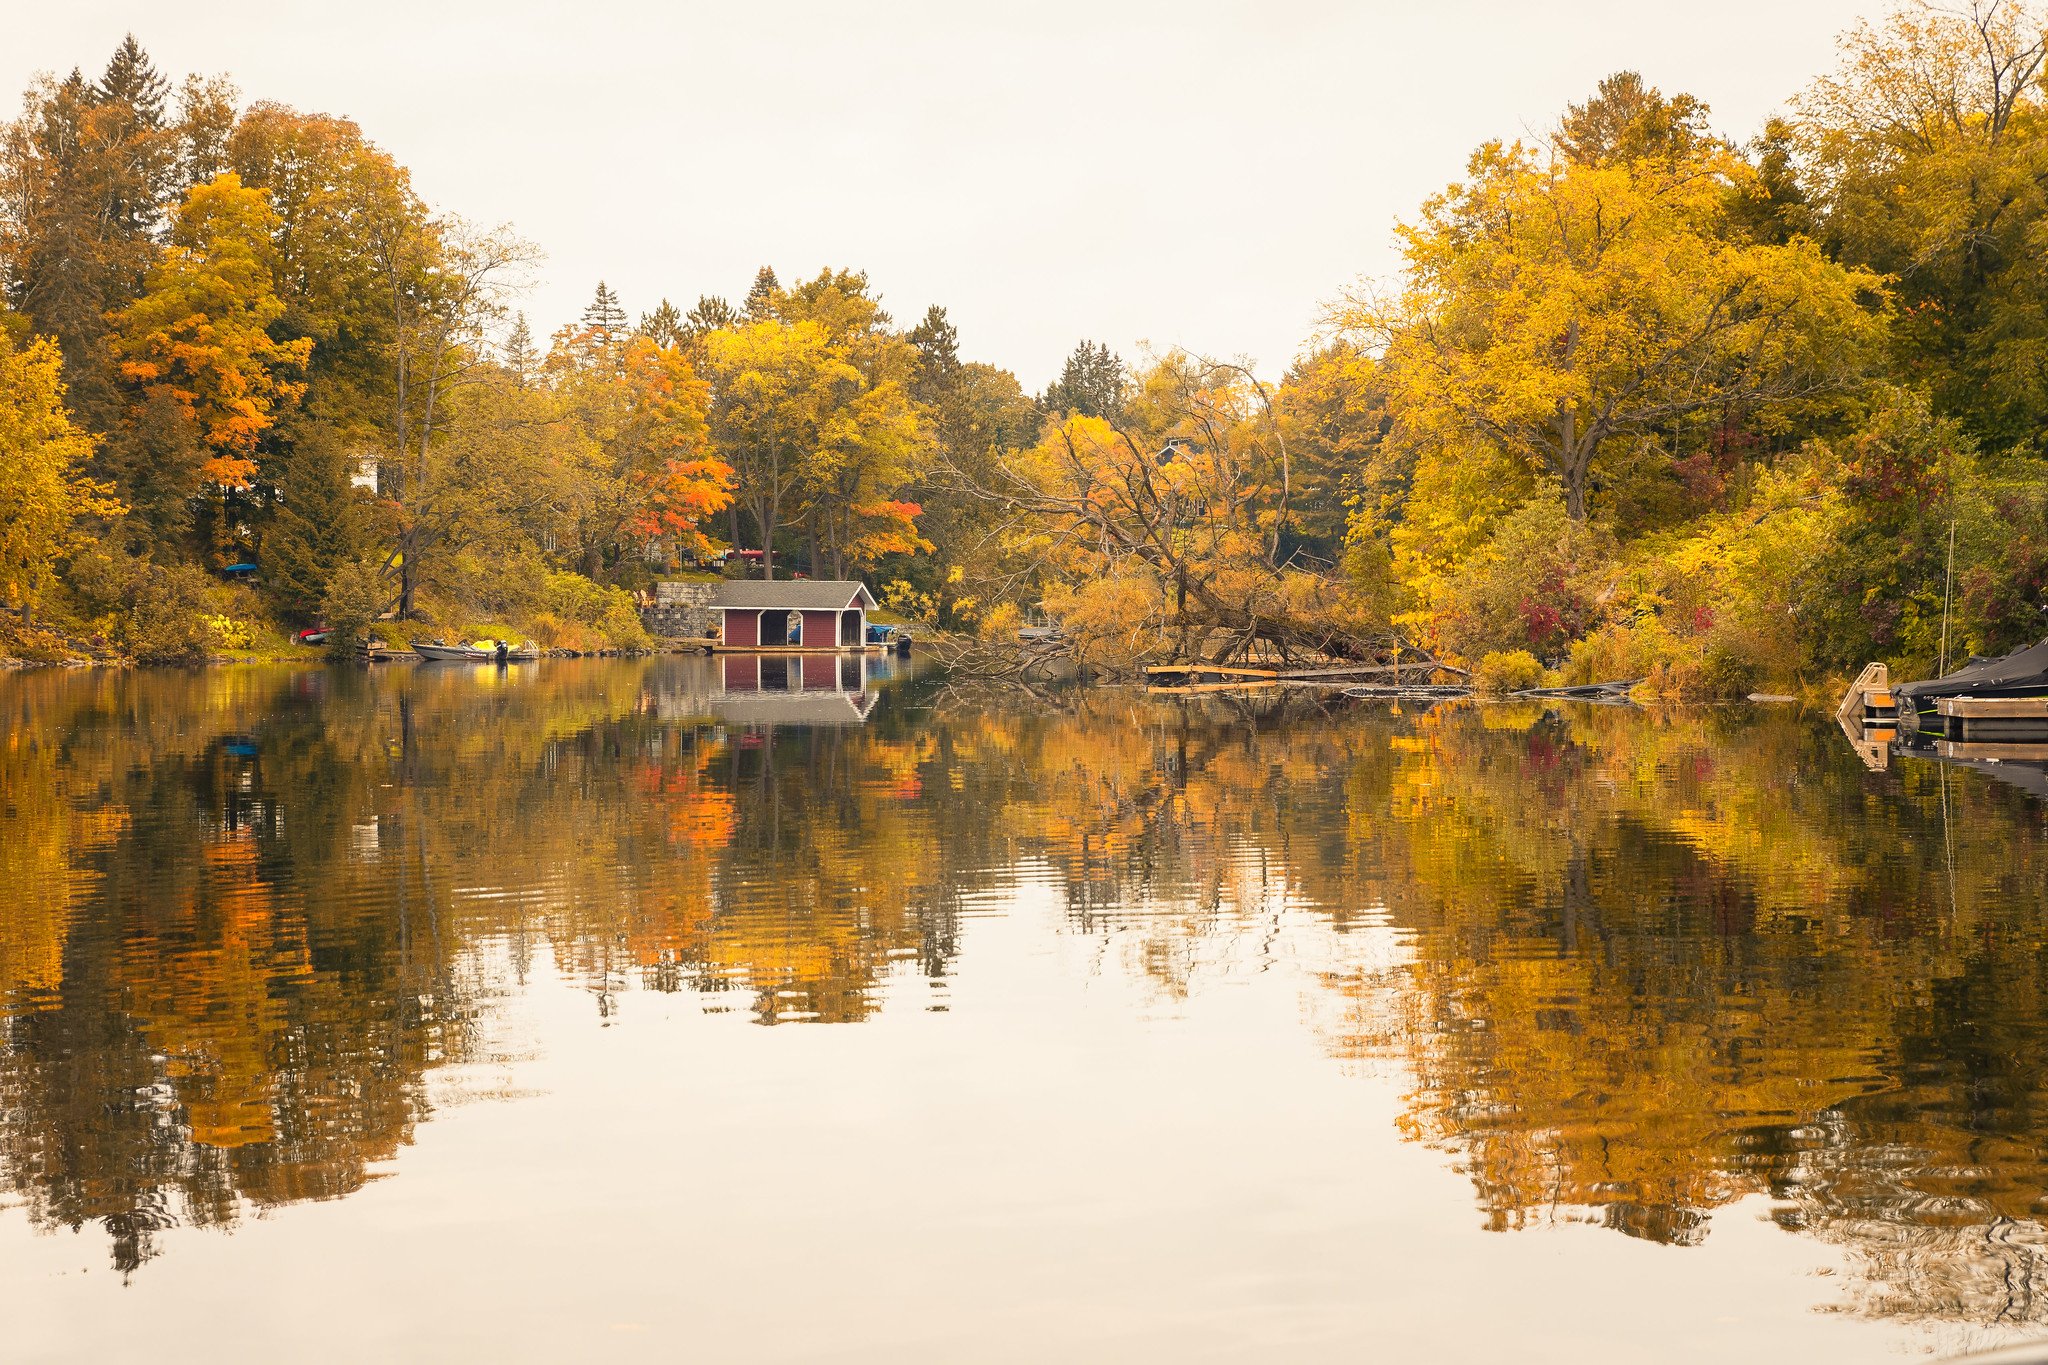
point(1970, 719)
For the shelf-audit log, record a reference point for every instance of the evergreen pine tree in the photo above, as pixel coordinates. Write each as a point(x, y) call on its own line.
point(131, 78)
point(1093, 382)
point(938, 356)
point(664, 326)
point(760, 302)
point(317, 526)
point(605, 319)
point(712, 314)
point(142, 150)
point(518, 351)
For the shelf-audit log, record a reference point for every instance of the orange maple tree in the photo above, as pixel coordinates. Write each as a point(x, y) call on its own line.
point(199, 332)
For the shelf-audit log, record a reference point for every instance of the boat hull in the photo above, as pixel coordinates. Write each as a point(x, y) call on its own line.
point(466, 654)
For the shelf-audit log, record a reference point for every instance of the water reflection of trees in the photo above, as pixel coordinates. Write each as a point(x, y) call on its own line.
point(1652, 964)
point(1645, 965)
point(244, 913)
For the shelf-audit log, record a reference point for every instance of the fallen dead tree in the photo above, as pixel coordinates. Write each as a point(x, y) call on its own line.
point(967, 657)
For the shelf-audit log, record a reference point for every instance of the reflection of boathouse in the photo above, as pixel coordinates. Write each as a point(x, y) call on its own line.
point(754, 689)
point(794, 614)
point(804, 689)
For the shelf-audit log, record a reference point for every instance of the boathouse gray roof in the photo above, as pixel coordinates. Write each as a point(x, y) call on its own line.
point(793, 594)
point(794, 708)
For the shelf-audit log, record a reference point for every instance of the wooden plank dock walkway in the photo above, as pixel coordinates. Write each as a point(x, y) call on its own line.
point(1993, 718)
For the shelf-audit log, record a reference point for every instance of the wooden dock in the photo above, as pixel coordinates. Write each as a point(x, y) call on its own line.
point(1990, 718)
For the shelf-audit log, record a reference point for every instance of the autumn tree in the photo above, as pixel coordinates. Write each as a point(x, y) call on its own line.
point(638, 469)
point(1157, 536)
point(1928, 157)
point(199, 334)
point(443, 287)
point(874, 443)
point(1567, 313)
point(44, 497)
point(677, 482)
point(1628, 120)
point(336, 196)
point(775, 389)
point(90, 167)
point(810, 405)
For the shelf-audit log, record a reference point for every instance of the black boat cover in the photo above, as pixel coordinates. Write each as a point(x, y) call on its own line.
point(2019, 674)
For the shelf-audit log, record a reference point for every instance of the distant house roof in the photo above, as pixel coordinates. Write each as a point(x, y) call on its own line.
point(795, 594)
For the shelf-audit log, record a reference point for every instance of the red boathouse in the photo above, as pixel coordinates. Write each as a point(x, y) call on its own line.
point(792, 614)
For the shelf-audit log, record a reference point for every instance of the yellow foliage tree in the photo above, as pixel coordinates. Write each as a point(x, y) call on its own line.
point(1557, 310)
point(42, 496)
point(778, 394)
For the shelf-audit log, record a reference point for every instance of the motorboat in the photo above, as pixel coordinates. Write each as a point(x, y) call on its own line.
point(2016, 677)
point(481, 652)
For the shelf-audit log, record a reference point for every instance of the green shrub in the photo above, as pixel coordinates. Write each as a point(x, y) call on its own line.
point(1529, 588)
point(356, 596)
point(166, 620)
point(570, 600)
point(1729, 670)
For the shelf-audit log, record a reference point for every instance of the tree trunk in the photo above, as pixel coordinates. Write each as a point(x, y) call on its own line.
point(764, 517)
point(406, 580)
point(817, 551)
point(1574, 453)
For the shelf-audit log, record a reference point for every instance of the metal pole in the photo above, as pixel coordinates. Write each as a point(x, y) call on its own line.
point(1947, 587)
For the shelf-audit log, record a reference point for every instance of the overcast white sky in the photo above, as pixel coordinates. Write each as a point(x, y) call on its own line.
point(1200, 174)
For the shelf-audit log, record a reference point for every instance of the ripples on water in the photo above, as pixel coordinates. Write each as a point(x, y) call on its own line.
point(1629, 974)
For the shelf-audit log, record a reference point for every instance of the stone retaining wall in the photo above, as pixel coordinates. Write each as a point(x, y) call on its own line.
point(681, 610)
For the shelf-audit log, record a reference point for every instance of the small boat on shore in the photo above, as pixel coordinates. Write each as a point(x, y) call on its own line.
point(482, 652)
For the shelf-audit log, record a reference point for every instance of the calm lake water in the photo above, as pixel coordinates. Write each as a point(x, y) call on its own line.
point(607, 1009)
